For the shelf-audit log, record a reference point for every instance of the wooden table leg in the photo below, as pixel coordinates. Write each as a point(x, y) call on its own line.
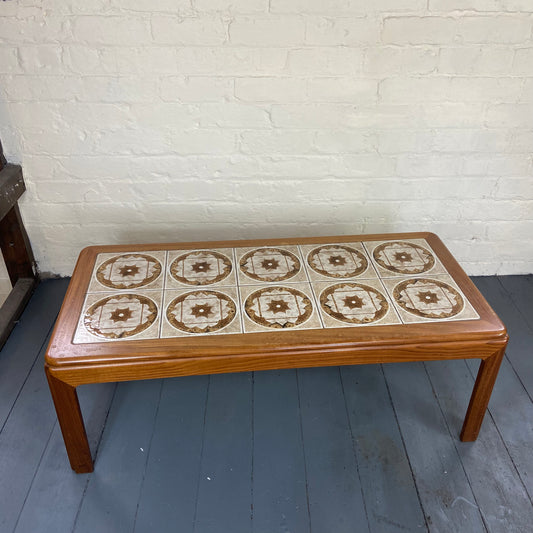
point(479, 401)
point(71, 423)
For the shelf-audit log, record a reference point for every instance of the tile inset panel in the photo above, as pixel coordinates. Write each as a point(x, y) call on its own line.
point(200, 268)
point(119, 315)
point(180, 293)
point(270, 265)
point(351, 303)
point(202, 311)
point(404, 258)
point(337, 261)
point(425, 299)
point(278, 307)
point(128, 271)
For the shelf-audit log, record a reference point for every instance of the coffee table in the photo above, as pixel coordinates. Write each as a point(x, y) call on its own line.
point(163, 310)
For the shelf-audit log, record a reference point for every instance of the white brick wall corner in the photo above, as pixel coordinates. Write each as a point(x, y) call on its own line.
point(168, 120)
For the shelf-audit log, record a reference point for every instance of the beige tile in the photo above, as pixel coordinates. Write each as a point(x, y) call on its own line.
point(201, 311)
point(406, 257)
point(115, 316)
point(281, 307)
point(337, 262)
point(265, 265)
point(128, 271)
point(200, 268)
point(355, 303)
point(429, 299)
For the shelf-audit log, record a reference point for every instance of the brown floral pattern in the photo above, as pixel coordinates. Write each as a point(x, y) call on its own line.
point(201, 311)
point(129, 271)
point(354, 303)
point(337, 261)
point(403, 257)
point(201, 268)
point(120, 315)
point(428, 298)
point(278, 307)
point(269, 264)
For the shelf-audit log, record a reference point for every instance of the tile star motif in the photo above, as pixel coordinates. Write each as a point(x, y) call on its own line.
point(403, 257)
point(121, 315)
point(354, 303)
point(429, 298)
point(201, 268)
point(336, 261)
point(129, 271)
point(278, 307)
point(269, 264)
point(201, 311)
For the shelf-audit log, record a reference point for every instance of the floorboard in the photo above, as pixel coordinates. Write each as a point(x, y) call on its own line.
point(56, 491)
point(170, 484)
point(387, 480)
point(279, 478)
point(349, 450)
point(510, 404)
point(500, 494)
point(336, 500)
point(22, 347)
point(445, 492)
point(110, 501)
point(225, 486)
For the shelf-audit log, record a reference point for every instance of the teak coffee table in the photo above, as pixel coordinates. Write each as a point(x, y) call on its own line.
point(164, 310)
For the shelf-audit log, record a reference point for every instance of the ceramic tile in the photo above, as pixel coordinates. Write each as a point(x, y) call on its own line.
point(354, 303)
point(201, 311)
point(280, 307)
point(337, 262)
point(429, 299)
point(119, 316)
point(406, 257)
point(275, 264)
point(200, 268)
point(128, 271)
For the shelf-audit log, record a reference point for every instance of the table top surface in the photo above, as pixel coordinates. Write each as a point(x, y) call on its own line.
point(189, 299)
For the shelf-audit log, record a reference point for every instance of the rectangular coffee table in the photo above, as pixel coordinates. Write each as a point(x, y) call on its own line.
point(163, 310)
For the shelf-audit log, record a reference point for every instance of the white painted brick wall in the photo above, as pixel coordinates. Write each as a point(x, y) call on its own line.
point(169, 120)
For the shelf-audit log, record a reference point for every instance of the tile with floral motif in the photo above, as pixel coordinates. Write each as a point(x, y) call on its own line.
point(429, 299)
point(269, 264)
point(279, 307)
point(201, 311)
point(352, 303)
point(128, 271)
point(200, 268)
point(337, 262)
point(407, 257)
point(125, 315)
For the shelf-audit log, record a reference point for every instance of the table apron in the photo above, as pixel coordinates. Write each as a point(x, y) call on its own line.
point(153, 368)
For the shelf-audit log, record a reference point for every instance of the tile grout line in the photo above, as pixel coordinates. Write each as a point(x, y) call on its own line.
point(163, 296)
point(238, 287)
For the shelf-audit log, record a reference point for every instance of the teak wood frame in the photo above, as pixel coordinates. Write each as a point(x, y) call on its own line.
point(69, 365)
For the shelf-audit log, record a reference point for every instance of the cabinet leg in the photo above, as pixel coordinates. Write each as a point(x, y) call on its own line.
point(71, 423)
point(479, 401)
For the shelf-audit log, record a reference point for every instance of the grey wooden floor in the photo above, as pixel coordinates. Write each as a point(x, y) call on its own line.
point(333, 450)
